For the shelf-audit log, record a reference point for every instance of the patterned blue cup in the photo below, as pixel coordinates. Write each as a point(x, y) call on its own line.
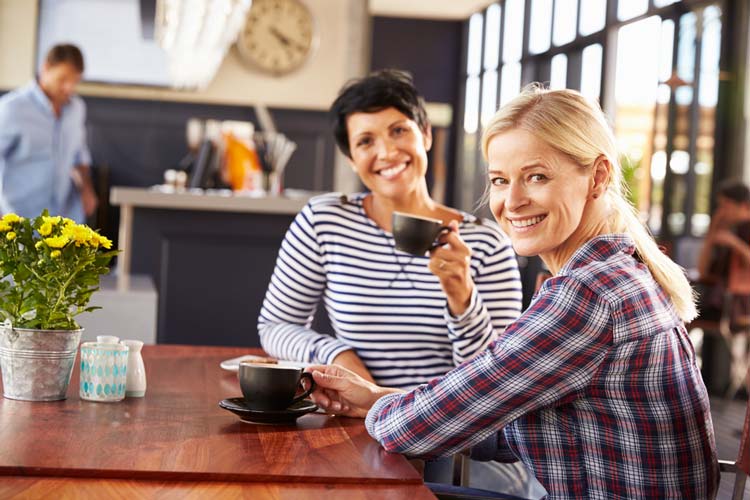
point(103, 371)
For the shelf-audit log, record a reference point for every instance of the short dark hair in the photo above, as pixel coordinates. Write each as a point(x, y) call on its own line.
point(65, 53)
point(387, 88)
point(735, 190)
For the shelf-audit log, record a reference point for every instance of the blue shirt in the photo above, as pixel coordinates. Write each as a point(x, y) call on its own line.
point(38, 152)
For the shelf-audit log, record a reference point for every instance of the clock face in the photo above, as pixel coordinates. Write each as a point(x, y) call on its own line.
point(277, 36)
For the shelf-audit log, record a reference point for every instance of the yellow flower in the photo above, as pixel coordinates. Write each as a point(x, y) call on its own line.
point(82, 235)
point(11, 218)
point(57, 241)
point(104, 241)
point(38, 244)
point(55, 254)
point(10, 236)
point(46, 228)
point(4, 226)
point(52, 220)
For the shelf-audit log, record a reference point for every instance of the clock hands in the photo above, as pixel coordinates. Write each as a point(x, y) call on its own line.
point(285, 40)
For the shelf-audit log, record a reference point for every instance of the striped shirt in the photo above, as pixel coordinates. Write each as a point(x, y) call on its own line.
point(595, 388)
point(383, 303)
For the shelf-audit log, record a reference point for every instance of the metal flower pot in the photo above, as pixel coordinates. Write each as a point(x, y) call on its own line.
point(37, 364)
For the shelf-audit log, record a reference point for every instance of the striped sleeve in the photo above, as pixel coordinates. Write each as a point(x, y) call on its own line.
point(495, 300)
point(296, 288)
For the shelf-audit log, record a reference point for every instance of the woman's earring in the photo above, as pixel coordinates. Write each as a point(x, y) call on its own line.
point(595, 195)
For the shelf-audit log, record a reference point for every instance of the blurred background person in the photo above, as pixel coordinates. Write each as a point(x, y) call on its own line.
point(724, 267)
point(44, 158)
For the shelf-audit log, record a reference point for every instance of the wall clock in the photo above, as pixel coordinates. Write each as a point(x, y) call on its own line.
point(278, 36)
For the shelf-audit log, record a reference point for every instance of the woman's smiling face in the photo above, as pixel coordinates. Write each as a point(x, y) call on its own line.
point(538, 195)
point(388, 151)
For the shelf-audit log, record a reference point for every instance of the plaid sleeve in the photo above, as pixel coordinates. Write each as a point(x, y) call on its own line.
point(541, 360)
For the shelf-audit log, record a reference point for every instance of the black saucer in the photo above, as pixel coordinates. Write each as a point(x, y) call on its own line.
point(286, 416)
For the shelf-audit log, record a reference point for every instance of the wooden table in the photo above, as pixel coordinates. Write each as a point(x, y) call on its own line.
point(177, 435)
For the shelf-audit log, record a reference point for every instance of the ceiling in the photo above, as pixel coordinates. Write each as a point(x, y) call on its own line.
point(428, 9)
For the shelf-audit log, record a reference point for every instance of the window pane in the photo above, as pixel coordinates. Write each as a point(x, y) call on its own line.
point(492, 37)
point(541, 26)
point(686, 58)
point(489, 95)
point(637, 76)
point(558, 72)
point(679, 164)
point(662, 3)
point(686, 47)
point(513, 34)
point(565, 21)
point(471, 111)
point(593, 14)
point(636, 85)
point(510, 84)
point(591, 71)
point(631, 8)
point(709, 83)
point(666, 43)
point(475, 45)
point(704, 144)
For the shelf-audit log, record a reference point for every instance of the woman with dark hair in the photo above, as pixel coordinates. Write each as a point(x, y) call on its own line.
point(399, 320)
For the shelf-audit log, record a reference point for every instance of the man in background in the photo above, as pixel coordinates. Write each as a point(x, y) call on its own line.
point(44, 159)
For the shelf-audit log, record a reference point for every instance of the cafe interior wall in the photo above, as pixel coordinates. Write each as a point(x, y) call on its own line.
point(340, 55)
point(114, 110)
point(138, 131)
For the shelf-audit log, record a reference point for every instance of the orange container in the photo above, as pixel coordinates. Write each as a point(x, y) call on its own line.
point(242, 164)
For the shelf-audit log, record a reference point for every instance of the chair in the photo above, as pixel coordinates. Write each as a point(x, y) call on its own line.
point(459, 489)
point(735, 343)
point(740, 467)
point(451, 492)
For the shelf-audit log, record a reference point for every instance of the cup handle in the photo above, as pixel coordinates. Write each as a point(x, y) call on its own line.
point(441, 231)
point(309, 377)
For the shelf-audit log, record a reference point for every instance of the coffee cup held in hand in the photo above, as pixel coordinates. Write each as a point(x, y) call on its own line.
point(272, 387)
point(415, 234)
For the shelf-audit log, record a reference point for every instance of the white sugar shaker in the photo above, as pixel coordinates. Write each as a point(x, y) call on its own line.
point(135, 386)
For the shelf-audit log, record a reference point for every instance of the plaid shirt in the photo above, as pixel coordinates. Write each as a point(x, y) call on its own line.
point(595, 388)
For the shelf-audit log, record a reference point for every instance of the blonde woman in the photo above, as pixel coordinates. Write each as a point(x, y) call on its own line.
point(595, 387)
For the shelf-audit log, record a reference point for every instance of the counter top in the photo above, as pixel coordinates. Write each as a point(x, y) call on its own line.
point(131, 198)
point(214, 200)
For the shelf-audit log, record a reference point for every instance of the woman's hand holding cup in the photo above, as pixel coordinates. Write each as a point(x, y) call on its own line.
point(450, 262)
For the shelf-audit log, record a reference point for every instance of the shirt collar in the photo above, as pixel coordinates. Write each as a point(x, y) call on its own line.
point(38, 95)
point(599, 248)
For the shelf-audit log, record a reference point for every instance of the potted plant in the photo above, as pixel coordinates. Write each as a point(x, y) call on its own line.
point(49, 268)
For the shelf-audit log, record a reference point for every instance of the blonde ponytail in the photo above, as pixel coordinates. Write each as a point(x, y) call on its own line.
point(571, 124)
point(665, 271)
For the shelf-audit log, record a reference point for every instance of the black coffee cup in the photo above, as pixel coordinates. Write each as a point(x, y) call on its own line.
point(415, 234)
point(272, 387)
